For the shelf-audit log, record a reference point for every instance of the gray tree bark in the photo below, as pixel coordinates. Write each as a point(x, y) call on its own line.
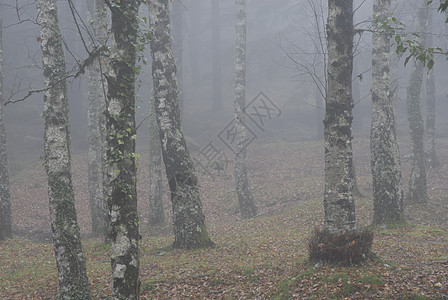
point(121, 132)
point(96, 105)
point(430, 151)
point(216, 56)
point(189, 221)
point(5, 193)
point(339, 205)
point(73, 281)
point(385, 154)
point(245, 198)
point(417, 182)
point(156, 214)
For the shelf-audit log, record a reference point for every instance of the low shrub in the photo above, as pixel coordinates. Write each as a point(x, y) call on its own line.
point(345, 247)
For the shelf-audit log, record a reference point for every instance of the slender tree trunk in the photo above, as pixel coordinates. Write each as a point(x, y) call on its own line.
point(195, 21)
point(178, 46)
point(156, 214)
point(73, 281)
point(385, 155)
point(245, 198)
point(216, 56)
point(320, 104)
point(417, 181)
point(339, 205)
point(96, 106)
point(5, 194)
point(122, 201)
point(430, 150)
point(188, 218)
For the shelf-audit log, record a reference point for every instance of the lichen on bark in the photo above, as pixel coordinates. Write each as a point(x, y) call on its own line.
point(339, 204)
point(97, 15)
point(188, 219)
point(245, 198)
point(73, 281)
point(385, 156)
point(121, 200)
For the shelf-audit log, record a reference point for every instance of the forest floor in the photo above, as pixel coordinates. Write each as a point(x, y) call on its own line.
point(261, 258)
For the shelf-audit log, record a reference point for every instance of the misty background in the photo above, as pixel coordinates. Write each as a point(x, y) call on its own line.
point(276, 32)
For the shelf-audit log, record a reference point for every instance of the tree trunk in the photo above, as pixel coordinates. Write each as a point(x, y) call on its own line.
point(188, 218)
point(195, 25)
point(385, 155)
point(245, 198)
point(320, 103)
point(339, 205)
point(96, 106)
point(121, 131)
point(216, 56)
point(156, 214)
point(417, 181)
point(73, 281)
point(431, 157)
point(5, 194)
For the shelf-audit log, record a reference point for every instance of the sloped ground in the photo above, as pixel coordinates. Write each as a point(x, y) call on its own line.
point(256, 259)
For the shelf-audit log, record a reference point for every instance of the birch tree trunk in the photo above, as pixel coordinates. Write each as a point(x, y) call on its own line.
point(385, 155)
point(156, 214)
point(96, 106)
point(339, 205)
point(417, 182)
point(73, 281)
point(216, 56)
point(245, 198)
point(121, 132)
point(5, 193)
point(430, 151)
point(188, 218)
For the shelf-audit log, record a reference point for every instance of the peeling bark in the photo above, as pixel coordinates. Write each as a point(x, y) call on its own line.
point(339, 205)
point(188, 218)
point(385, 155)
point(245, 198)
point(417, 182)
point(73, 281)
point(96, 106)
point(5, 193)
point(121, 134)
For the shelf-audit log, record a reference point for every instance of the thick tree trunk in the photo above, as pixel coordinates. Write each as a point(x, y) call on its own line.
point(385, 155)
point(417, 181)
point(339, 205)
point(430, 151)
point(5, 194)
point(121, 131)
point(216, 56)
point(245, 198)
point(189, 220)
point(156, 214)
point(73, 281)
point(96, 106)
